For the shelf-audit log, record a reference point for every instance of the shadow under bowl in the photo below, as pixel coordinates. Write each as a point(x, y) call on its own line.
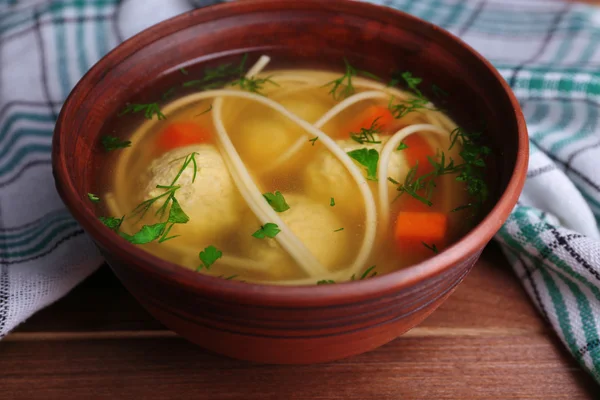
point(276, 324)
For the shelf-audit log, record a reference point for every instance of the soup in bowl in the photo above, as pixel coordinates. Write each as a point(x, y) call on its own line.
point(284, 191)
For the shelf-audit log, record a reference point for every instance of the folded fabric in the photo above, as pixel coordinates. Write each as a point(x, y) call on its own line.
point(548, 51)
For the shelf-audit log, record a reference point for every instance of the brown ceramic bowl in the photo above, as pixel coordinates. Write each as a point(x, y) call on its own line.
point(291, 324)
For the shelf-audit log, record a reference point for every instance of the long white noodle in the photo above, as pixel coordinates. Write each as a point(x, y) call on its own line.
point(384, 159)
point(338, 108)
point(353, 169)
point(379, 90)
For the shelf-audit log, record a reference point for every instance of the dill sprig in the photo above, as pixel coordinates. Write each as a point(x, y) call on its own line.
point(431, 247)
point(343, 87)
point(252, 84)
point(367, 135)
point(219, 75)
point(405, 107)
point(169, 194)
point(149, 110)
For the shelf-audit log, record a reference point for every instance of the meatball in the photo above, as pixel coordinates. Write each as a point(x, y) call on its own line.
point(325, 177)
point(212, 202)
point(313, 223)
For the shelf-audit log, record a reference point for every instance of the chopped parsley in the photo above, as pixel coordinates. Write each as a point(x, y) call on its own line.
point(149, 110)
point(332, 202)
point(112, 222)
point(267, 230)
point(146, 234)
point(276, 201)
point(314, 140)
point(183, 71)
point(111, 143)
point(367, 158)
point(209, 256)
point(93, 197)
point(339, 230)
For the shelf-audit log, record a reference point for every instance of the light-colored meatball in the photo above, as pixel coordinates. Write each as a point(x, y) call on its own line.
point(212, 201)
point(325, 176)
point(313, 223)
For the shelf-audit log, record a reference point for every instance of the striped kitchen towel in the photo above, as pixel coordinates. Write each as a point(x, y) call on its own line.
point(548, 50)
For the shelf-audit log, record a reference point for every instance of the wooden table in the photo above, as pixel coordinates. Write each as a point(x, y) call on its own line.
point(486, 342)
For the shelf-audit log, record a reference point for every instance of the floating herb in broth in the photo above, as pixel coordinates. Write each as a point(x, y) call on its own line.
point(220, 171)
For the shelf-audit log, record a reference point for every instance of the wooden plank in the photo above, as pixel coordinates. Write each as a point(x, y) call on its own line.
point(515, 367)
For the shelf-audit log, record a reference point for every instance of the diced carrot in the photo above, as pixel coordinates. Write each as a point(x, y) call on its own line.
point(365, 120)
point(180, 134)
point(415, 229)
point(418, 150)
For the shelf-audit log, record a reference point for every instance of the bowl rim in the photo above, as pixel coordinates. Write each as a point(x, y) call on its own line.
point(264, 294)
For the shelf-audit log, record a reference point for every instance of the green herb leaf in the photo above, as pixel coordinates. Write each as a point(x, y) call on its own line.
point(183, 71)
point(208, 257)
point(111, 143)
point(325, 282)
point(431, 247)
point(112, 222)
point(230, 277)
point(367, 158)
point(276, 201)
point(332, 202)
point(405, 107)
point(146, 234)
point(339, 230)
point(365, 274)
point(402, 146)
point(412, 185)
point(438, 92)
point(149, 110)
point(254, 85)
point(204, 112)
point(412, 82)
point(313, 140)
point(267, 230)
point(169, 93)
point(343, 87)
point(367, 135)
point(93, 197)
point(176, 214)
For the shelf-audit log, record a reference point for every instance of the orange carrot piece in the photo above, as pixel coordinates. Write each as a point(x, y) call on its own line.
point(415, 228)
point(418, 150)
point(180, 134)
point(365, 120)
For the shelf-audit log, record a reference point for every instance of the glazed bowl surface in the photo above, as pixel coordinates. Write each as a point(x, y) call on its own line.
point(277, 324)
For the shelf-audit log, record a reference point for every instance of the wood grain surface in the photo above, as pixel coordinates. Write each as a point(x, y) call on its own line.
point(486, 342)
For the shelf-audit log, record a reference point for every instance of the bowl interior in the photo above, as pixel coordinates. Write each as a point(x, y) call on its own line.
point(308, 33)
